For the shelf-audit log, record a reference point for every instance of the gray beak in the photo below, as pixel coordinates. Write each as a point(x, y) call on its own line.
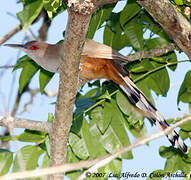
point(17, 46)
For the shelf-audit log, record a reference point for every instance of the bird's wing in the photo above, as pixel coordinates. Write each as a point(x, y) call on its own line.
point(95, 49)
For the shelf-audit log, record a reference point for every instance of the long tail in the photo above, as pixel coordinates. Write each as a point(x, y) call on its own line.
point(145, 106)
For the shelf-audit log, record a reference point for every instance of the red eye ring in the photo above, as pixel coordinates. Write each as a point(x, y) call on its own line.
point(34, 47)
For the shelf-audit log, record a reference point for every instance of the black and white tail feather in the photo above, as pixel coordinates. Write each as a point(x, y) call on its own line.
point(144, 105)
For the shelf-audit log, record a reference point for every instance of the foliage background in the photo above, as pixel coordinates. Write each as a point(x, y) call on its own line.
point(130, 27)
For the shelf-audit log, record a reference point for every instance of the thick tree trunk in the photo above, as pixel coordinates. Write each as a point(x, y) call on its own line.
point(172, 21)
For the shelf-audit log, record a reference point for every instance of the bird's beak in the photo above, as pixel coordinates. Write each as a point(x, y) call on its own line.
point(17, 46)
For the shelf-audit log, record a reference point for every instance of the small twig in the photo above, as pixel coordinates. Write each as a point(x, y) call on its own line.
point(43, 31)
point(101, 101)
point(10, 34)
point(7, 66)
point(157, 69)
point(28, 124)
point(32, 92)
point(94, 164)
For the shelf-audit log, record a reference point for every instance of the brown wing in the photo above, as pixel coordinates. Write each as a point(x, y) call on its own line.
point(95, 49)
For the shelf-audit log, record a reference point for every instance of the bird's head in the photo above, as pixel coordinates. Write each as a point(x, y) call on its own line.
point(46, 55)
point(34, 49)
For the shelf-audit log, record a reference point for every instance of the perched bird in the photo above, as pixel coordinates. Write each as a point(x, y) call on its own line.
point(100, 61)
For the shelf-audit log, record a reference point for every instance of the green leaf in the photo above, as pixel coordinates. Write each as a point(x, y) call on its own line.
point(6, 159)
point(143, 86)
point(22, 62)
point(179, 2)
point(113, 139)
point(6, 138)
point(32, 136)
point(93, 144)
point(150, 24)
point(176, 163)
point(99, 115)
point(102, 173)
point(50, 117)
point(155, 42)
point(176, 160)
point(134, 33)
point(71, 157)
point(162, 75)
point(73, 174)
point(106, 95)
point(115, 166)
point(155, 72)
point(171, 58)
point(113, 33)
point(113, 21)
point(186, 126)
point(187, 157)
point(166, 152)
point(29, 70)
point(123, 103)
point(92, 135)
point(183, 134)
point(30, 12)
point(98, 18)
point(82, 103)
point(139, 69)
point(44, 78)
point(128, 109)
point(138, 130)
point(4, 150)
point(27, 157)
point(129, 11)
point(78, 146)
point(142, 67)
point(54, 7)
point(184, 93)
point(77, 122)
point(159, 59)
point(47, 143)
point(46, 161)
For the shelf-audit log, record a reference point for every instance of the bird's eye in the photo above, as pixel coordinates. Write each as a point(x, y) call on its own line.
point(34, 47)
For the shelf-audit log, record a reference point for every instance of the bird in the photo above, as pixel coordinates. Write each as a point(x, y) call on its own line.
point(99, 61)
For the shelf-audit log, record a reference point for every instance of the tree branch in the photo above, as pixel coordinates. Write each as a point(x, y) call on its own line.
point(93, 164)
point(172, 21)
point(74, 39)
point(25, 123)
point(100, 3)
point(86, 7)
point(159, 51)
point(10, 34)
